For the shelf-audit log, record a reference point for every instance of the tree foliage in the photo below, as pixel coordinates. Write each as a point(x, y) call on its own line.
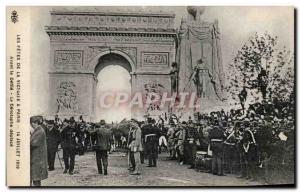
point(262, 70)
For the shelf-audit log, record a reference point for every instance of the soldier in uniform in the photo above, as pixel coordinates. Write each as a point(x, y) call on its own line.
point(250, 153)
point(57, 121)
point(80, 127)
point(162, 139)
point(171, 140)
point(230, 153)
point(180, 135)
point(152, 134)
point(69, 137)
point(102, 146)
point(53, 140)
point(216, 137)
point(142, 150)
point(192, 138)
point(131, 162)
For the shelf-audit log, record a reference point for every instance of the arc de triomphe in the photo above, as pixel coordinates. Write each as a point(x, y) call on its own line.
point(82, 43)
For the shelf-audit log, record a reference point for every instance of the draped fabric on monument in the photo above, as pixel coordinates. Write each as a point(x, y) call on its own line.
point(200, 41)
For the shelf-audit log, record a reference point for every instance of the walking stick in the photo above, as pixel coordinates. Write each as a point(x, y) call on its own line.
point(59, 160)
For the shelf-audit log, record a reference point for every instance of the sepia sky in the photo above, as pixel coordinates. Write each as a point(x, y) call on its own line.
point(236, 25)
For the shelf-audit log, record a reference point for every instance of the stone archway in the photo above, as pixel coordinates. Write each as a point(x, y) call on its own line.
point(121, 54)
point(147, 41)
point(104, 60)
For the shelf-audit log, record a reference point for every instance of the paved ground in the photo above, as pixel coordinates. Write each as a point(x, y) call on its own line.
point(168, 173)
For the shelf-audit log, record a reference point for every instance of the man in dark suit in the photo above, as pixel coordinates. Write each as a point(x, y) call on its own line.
point(102, 145)
point(69, 138)
point(53, 140)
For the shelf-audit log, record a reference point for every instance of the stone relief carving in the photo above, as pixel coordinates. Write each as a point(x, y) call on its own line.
point(114, 21)
point(93, 51)
point(157, 88)
point(130, 51)
point(150, 58)
point(114, 39)
point(67, 98)
point(68, 57)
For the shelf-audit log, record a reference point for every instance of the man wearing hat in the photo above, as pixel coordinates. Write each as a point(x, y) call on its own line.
point(53, 140)
point(38, 152)
point(249, 150)
point(102, 146)
point(171, 140)
point(191, 139)
point(230, 149)
point(151, 137)
point(136, 146)
point(69, 137)
point(180, 135)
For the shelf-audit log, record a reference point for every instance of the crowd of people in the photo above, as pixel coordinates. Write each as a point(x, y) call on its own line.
point(249, 144)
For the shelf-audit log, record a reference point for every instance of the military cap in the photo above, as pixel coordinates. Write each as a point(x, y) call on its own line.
point(224, 124)
point(135, 121)
point(198, 123)
point(72, 120)
point(36, 119)
point(51, 122)
point(171, 122)
point(102, 122)
point(216, 122)
point(246, 122)
point(253, 124)
point(238, 123)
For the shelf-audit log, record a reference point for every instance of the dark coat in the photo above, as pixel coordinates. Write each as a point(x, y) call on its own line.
point(151, 129)
point(102, 139)
point(68, 137)
point(38, 155)
point(53, 139)
point(216, 133)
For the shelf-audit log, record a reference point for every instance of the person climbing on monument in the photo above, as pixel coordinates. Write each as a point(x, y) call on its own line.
point(174, 77)
point(243, 97)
